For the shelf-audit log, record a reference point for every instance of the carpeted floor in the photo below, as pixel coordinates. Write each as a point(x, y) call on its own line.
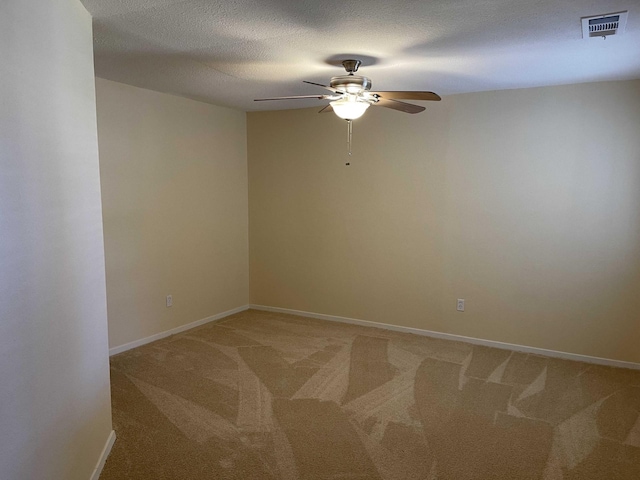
point(271, 396)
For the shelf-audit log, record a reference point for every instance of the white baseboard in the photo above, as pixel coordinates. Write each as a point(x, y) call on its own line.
point(103, 456)
point(458, 338)
point(173, 331)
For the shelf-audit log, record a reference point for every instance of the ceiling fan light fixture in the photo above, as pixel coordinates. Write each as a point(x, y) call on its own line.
point(351, 95)
point(349, 108)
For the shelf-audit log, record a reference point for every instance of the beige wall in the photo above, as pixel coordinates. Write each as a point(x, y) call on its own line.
point(54, 376)
point(174, 194)
point(523, 202)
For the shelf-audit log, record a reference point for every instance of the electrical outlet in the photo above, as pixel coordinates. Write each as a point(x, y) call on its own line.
point(460, 305)
point(169, 300)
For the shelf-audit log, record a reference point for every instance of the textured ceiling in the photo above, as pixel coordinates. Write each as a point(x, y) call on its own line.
point(230, 52)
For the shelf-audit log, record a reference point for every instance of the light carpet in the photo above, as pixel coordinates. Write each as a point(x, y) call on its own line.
point(272, 396)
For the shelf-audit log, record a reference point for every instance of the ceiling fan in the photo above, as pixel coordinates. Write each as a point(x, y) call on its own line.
point(351, 95)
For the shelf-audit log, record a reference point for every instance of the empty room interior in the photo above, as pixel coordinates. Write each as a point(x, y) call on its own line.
point(319, 240)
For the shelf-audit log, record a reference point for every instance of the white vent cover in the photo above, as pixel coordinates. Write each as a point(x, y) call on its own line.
point(604, 25)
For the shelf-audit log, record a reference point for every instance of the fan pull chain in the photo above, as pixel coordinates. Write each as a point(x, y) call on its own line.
point(349, 133)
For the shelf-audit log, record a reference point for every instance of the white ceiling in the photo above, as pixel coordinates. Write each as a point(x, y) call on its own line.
point(230, 52)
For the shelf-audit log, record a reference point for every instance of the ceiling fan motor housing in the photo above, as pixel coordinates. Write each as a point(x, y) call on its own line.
point(351, 83)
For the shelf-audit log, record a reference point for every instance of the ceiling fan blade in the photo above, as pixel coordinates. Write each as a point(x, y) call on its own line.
point(408, 95)
point(397, 105)
point(326, 109)
point(293, 97)
point(326, 87)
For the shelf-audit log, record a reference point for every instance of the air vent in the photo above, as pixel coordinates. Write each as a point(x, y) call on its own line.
point(604, 25)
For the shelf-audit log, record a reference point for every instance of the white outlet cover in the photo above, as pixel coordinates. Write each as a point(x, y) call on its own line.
point(169, 300)
point(460, 305)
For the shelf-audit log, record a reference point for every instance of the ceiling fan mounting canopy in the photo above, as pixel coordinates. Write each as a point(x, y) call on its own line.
point(351, 66)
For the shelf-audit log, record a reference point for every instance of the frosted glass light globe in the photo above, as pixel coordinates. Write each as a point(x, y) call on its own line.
point(349, 108)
